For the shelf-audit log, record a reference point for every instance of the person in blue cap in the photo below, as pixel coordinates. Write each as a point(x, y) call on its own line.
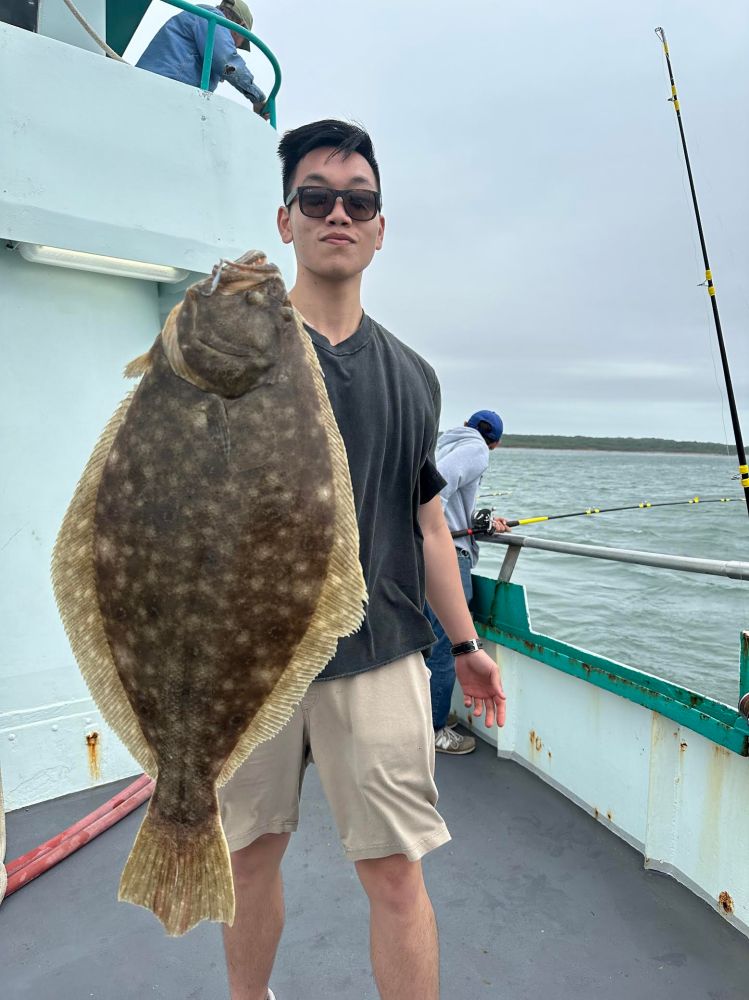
point(462, 459)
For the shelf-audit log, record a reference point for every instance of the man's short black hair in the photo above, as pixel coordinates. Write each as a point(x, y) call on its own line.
point(344, 137)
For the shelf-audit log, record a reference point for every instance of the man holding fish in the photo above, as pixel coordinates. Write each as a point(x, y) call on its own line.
point(367, 720)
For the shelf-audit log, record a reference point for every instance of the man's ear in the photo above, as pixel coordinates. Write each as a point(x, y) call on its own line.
point(380, 233)
point(283, 221)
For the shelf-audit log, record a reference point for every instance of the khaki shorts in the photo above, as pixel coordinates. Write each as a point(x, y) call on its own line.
point(371, 737)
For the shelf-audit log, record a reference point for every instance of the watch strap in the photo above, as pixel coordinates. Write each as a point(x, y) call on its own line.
point(469, 646)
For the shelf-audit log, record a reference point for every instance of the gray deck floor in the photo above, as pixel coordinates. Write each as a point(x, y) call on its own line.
point(533, 898)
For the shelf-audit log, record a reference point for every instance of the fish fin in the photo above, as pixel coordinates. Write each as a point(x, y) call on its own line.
point(139, 366)
point(340, 607)
point(182, 874)
point(74, 584)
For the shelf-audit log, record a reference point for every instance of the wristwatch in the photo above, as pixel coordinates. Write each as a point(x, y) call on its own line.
point(469, 646)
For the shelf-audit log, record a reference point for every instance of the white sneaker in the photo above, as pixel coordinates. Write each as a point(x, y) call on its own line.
point(448, 741)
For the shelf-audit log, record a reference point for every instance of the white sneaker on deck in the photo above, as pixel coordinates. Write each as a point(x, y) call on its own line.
point(449, 741)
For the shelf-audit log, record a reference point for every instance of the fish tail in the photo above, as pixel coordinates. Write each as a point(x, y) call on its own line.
point(181, 873)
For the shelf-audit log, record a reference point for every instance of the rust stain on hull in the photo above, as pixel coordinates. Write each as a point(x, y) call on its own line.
point(725, 903)
point(94, 762)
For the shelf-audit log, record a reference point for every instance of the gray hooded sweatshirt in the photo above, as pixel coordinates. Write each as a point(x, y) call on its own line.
point(462, 459)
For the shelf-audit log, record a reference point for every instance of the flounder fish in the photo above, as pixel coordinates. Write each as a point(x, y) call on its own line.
point(207, 566)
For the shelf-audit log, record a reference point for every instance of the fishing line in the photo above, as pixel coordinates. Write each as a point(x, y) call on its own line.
point(705, 306)
point(696, 254)
point(740, 453)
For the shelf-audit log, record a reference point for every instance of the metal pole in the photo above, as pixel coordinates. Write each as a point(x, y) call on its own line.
point(733, 569)
point(208, 55)
point(740, 453)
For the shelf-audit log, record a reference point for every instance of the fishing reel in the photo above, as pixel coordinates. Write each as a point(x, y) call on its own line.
point(482, 522)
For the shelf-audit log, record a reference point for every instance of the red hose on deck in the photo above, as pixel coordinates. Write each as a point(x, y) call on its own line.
point(42, 858)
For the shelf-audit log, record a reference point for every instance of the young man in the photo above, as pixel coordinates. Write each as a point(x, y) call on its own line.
point(366, 720)
point(176, 51)
point(462, 459)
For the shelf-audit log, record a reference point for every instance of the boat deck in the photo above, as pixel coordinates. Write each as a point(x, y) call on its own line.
point(533, 898)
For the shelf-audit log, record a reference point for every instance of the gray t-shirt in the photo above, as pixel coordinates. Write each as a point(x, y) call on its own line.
point(386, 400)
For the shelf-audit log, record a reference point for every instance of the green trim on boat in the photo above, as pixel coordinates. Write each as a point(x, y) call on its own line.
point(123, 17)
point(500, 611)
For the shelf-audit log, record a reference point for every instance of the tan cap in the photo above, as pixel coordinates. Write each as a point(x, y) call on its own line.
point(243, 11)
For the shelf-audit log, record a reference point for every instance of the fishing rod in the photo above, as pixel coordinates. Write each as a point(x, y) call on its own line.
point(482, 519)
point(740, 453)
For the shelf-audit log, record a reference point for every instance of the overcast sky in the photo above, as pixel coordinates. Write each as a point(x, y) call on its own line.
point(540, 249)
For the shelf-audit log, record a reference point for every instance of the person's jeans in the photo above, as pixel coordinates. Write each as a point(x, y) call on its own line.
point(441, 662)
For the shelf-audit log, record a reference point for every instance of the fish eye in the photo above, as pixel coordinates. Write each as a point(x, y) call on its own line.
point(256, 298)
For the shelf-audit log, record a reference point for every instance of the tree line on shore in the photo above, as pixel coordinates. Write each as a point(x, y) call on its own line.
point(579, 442)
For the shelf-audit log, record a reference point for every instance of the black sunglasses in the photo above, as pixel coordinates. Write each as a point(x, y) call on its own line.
point(318, 202)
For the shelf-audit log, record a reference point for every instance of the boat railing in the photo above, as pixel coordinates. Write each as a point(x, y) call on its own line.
point(733, 569)
point(213, 19)
point(662, 560)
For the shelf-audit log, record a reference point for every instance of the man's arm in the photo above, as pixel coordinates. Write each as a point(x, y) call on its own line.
point(227, 62)
point(237, 74)
point(477, 672)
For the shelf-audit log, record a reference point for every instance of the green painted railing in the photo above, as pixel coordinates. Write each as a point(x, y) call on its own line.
point(501, 615)
point(213, 19)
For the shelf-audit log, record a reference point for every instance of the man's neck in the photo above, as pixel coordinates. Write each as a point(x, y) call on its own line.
point(333, 308)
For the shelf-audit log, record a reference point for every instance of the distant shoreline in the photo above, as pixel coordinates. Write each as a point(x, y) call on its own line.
point(666, 446)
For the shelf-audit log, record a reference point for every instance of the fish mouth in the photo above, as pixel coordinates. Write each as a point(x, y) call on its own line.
point(222, 348)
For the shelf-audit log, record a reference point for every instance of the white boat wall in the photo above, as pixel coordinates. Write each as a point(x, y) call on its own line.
point(104, 159)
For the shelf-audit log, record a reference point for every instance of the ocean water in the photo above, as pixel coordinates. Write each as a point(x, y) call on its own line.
point(681, 626)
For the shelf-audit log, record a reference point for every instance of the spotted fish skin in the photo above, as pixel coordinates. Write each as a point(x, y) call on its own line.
point(197, 599)
point(207, 578)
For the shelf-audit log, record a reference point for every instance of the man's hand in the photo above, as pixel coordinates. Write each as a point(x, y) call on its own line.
point(500, 524)
point(259, 110)
point(478, 676)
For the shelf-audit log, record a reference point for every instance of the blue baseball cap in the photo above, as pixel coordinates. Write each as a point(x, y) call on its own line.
point(490, 417)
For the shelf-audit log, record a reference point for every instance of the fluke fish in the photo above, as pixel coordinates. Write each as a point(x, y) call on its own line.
point(198, 603)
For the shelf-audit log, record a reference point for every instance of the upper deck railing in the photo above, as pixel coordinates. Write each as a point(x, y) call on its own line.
point(213, 19)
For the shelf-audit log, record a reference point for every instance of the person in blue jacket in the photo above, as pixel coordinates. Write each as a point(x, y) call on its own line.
point(176, 51)
point(462, 456)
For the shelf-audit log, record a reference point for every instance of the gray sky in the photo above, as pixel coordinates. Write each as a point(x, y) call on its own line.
point(540, 248)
